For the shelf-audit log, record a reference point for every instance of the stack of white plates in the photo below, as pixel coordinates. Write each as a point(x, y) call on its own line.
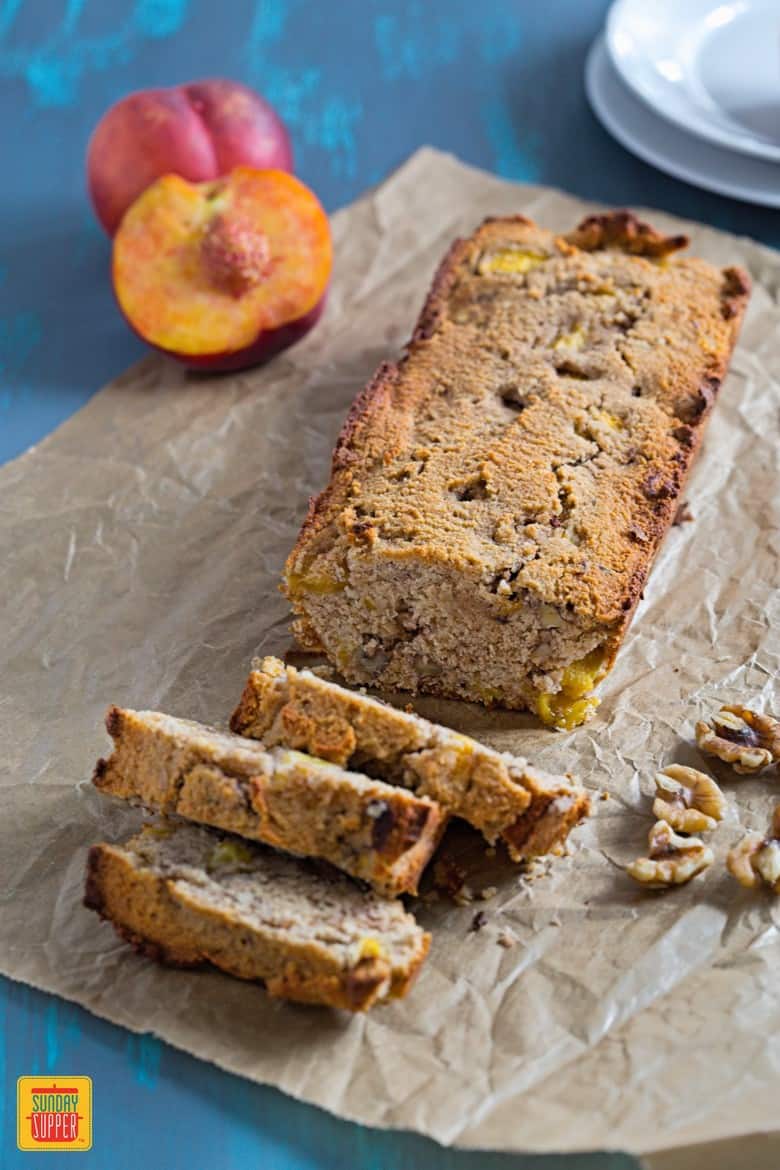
point(693, 87)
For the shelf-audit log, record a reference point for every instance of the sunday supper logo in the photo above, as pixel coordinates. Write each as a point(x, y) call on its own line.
point(54, 1115)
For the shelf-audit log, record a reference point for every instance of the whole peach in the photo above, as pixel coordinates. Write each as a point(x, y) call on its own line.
point(200, 131)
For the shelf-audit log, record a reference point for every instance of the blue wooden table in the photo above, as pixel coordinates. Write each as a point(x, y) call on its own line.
point(361, 83)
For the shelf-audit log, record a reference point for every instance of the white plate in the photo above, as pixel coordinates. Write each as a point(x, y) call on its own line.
point(655, 140)
point(711, 67)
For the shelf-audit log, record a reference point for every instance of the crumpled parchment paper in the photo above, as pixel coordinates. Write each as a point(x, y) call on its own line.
point(141, 546)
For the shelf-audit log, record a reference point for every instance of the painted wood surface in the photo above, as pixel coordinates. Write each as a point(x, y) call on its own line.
point(361, 83)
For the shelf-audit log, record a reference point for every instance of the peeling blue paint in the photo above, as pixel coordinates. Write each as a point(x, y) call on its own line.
point(145, 1053)
point(20, 334)
point(326, 124)
point(512, 157)
point(52, 1035)
point(269, 21)
point(70, 20)
point(293, 93)
point(54, 82)
point(499, 34)
point(408, 46)
point(334, 130)
point(160, 18)
point(8, 13)
point(55, 67)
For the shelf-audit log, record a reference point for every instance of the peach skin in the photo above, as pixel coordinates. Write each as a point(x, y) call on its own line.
point(199, 131)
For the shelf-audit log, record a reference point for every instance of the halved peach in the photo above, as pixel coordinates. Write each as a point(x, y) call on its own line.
point(222, 275)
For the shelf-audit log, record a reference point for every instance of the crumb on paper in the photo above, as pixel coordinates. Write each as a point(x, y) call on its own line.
point(604, 795)
point(488, 893)
point(478, 921)
point(534, 868)
point(324, 670)
point(449, 877)
point(683, 515)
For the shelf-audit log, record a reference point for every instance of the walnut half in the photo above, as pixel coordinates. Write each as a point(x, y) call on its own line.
point(756, 860)
point(688, 800)
point(741, 737)
point(671, 860)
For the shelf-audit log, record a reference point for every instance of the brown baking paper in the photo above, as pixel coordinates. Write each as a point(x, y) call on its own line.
point(141, 548)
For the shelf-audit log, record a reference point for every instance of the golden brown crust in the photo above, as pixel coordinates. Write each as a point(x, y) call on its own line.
point(376, 398)
point(148, 912)
point(444, 279)
point(569, 455)
point(373, 401)
point(623, 230)
point(735, 293)
point(373, 424)
point(551, 816)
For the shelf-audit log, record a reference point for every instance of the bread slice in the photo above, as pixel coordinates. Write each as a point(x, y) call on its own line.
point(498, 793)
point(303, 805)
point(188, 896)
point(497, 498)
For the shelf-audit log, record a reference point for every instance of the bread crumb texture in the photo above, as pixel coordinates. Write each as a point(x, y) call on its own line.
point(189, 896)
point(378, 832)
point(497, 793)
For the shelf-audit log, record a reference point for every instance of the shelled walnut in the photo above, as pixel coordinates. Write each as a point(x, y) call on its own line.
point(743, 738)
point(756, 860)
point(672, 860)
point(688, 800)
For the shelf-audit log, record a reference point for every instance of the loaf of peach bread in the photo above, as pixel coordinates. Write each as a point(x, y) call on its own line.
point(498, 496)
